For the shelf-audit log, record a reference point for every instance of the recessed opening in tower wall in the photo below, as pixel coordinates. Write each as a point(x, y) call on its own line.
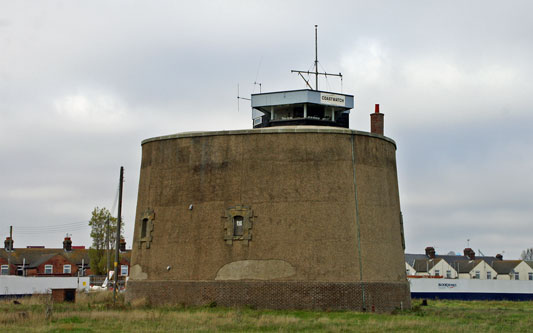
point(237, 225)
point(143, 228)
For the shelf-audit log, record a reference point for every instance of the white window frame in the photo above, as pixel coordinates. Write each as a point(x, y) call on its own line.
point(124, 268)
point(448, 274)
point(437, 272)
point(48, 267)
point(489, 275)
point(517, 275)
point(4, 270)
point(67, 269)
point(530, 276)
point(477, 275)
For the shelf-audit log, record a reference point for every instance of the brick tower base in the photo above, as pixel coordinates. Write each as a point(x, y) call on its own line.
point(378, 296)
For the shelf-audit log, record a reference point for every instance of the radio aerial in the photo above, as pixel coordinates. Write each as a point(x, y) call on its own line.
point(316, 72)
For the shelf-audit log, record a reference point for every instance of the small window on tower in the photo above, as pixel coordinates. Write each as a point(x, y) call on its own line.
point(238, 225)
point(144, 226)
point(238, 222)
point(146, 229)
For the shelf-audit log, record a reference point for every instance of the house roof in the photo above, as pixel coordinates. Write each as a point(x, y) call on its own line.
point(505, 266)
point(41, 260)
point(466, 266)
point(450, 259)
point(31, 256)
point(424, 265)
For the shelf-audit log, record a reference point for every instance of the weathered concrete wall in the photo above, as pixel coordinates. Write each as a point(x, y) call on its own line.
point(315, 196)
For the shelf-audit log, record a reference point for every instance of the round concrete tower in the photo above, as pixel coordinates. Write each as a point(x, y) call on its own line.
point(299, 212)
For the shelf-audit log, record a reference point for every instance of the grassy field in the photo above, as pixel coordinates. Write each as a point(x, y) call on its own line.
point(95, 313)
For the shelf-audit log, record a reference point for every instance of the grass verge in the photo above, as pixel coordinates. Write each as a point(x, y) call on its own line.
point(95, 313)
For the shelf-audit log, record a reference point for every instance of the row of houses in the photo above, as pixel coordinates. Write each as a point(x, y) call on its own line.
point(66, 261)
point(468, 266)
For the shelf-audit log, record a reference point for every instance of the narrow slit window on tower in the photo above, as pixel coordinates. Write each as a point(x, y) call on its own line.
point(238, 225)
point(144, 227)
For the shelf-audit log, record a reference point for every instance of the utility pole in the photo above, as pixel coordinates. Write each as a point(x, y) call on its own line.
point(107, 247)
point(117, 245)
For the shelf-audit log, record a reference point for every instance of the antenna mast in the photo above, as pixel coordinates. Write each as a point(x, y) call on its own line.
point(316, 56)
point(316, 73)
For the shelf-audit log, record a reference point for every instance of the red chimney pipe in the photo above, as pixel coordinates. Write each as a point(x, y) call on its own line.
point(376, 121)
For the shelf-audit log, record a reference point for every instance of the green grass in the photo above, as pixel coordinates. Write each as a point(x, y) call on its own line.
point(95, 313)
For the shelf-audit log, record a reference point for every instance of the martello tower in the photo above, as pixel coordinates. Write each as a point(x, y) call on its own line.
point(298, 212)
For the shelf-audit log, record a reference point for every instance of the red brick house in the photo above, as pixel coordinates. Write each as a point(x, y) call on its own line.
point(7, 267)
point(39, 261)
point(52, 264)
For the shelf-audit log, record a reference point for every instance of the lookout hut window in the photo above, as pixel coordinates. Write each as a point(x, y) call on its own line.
point(143, 227)
point(238, 225)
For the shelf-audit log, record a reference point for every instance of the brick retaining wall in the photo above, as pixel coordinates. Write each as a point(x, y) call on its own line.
point(379, 296)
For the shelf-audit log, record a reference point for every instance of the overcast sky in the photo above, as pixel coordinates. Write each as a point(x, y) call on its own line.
point(82, 83)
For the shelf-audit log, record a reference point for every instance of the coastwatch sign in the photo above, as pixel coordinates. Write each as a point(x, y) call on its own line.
point(332, 99)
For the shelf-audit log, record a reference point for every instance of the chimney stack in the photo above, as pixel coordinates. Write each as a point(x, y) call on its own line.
point(8, 244)
point(376, 121)
point(499, 257)
point(468, 252)
point(122, 247)
point(430, 252)
point(67, 244)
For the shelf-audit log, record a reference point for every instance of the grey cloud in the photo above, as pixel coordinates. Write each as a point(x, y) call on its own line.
point(81, 84)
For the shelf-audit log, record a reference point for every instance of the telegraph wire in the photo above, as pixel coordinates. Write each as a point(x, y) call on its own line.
point(55, 226)
point(116, 201)
point(63, 227)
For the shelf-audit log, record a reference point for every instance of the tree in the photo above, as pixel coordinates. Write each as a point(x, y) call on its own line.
point(103, 235)
point(527, 254)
